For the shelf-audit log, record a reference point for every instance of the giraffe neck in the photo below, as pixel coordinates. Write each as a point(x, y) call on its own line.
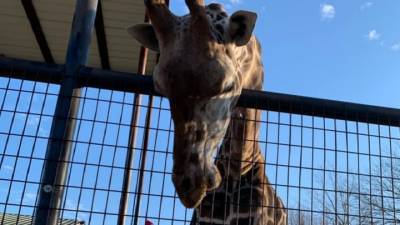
point(240, 149)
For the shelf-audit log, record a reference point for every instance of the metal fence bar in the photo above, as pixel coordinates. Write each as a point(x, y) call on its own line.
point(59, 148)
point(124, 203)
point(255, 99)
point(143, 161)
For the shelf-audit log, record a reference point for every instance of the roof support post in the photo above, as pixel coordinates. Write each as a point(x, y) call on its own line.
point(63, 126)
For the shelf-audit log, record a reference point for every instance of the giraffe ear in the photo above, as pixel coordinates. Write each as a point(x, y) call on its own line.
point(241, 25)
point(145, 35)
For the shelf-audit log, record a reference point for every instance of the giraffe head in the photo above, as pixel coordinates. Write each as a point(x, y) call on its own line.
point(199, 73)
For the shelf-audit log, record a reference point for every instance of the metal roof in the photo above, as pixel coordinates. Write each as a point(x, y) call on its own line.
point(39, 30)
point(12, 219)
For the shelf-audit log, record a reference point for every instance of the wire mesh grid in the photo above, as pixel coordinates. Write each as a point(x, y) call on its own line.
point(326, 171)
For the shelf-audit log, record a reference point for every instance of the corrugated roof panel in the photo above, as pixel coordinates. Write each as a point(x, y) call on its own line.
point(94, 57)
point(12, 219)
point(123, 49)
point(16, 38)
point(56, 17)
point(6, 5)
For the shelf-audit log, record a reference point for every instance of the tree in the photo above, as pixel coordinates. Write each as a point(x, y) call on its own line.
point(297, 217)
point(338, 203)
point(375, 201)
point(348, 200)
point(383, 201)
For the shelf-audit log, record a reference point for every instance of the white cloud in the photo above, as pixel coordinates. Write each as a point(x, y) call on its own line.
point(366, 5)
point(30, 197)
point(264, 8)
point(235, 1)
point(395, 47)
point(327, 11)
point(7, 168)
point(33, 121)
point(71, 204)
point(228, 6)
point(20, 116)
point(373, 35)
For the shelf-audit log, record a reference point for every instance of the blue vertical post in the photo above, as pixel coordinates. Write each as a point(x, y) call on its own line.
point(62, 131)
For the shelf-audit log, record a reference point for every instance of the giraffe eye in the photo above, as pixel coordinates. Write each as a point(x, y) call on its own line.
point(228, 88)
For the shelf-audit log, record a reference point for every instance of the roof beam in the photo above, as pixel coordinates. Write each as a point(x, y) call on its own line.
point(101, 38)
point(37, 30)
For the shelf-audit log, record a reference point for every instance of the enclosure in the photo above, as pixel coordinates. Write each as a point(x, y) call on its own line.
point(87, 145)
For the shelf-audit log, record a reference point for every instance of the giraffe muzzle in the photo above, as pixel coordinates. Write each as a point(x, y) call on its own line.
point(192, 186)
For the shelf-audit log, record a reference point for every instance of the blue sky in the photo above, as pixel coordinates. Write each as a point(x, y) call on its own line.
point(343, 50)
point(323, 48)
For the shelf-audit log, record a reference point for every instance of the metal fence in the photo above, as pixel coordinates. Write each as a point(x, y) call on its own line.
point(330, 162)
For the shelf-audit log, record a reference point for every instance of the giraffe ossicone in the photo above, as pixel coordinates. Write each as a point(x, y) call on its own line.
point(206, 58)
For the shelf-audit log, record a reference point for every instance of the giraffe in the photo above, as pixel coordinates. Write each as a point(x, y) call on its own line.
point(206, 58)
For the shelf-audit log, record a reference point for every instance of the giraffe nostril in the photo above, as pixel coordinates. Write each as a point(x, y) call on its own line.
point(213, 179)
point(199, 135)
point(186, 184)
point(194, 158)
